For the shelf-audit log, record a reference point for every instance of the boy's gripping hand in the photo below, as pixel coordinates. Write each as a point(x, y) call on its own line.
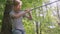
point(29, 13)
point(27, 10)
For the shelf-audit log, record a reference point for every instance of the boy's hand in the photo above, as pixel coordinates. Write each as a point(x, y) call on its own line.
point(27, 10)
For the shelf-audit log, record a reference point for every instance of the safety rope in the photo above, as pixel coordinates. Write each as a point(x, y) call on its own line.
point(44, 5)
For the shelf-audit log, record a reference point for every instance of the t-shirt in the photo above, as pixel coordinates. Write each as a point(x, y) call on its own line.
point(16, 23)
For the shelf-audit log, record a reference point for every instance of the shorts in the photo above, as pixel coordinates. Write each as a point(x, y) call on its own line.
point(18, 31)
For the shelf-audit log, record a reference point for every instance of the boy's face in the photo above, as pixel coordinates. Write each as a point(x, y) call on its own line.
point(17, 7)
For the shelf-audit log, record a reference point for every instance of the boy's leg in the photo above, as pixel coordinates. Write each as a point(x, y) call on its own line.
point(18, 31)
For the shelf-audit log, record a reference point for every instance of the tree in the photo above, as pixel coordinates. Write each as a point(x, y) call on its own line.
point(6, 25)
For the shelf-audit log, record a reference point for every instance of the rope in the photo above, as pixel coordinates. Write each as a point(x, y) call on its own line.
point(44, 5)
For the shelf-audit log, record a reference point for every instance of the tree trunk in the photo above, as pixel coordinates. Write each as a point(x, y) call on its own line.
point(6, 24)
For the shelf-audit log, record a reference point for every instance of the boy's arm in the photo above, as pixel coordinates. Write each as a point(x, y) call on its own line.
point(19, 15)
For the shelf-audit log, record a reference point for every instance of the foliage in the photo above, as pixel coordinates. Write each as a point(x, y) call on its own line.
point(46, 20)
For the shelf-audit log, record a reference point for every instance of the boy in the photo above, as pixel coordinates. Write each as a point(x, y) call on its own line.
point(16, 17)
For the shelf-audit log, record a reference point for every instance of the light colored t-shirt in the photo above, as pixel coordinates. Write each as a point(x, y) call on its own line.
point(17, 23)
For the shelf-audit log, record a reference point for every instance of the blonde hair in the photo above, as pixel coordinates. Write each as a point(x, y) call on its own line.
point(17, 2)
